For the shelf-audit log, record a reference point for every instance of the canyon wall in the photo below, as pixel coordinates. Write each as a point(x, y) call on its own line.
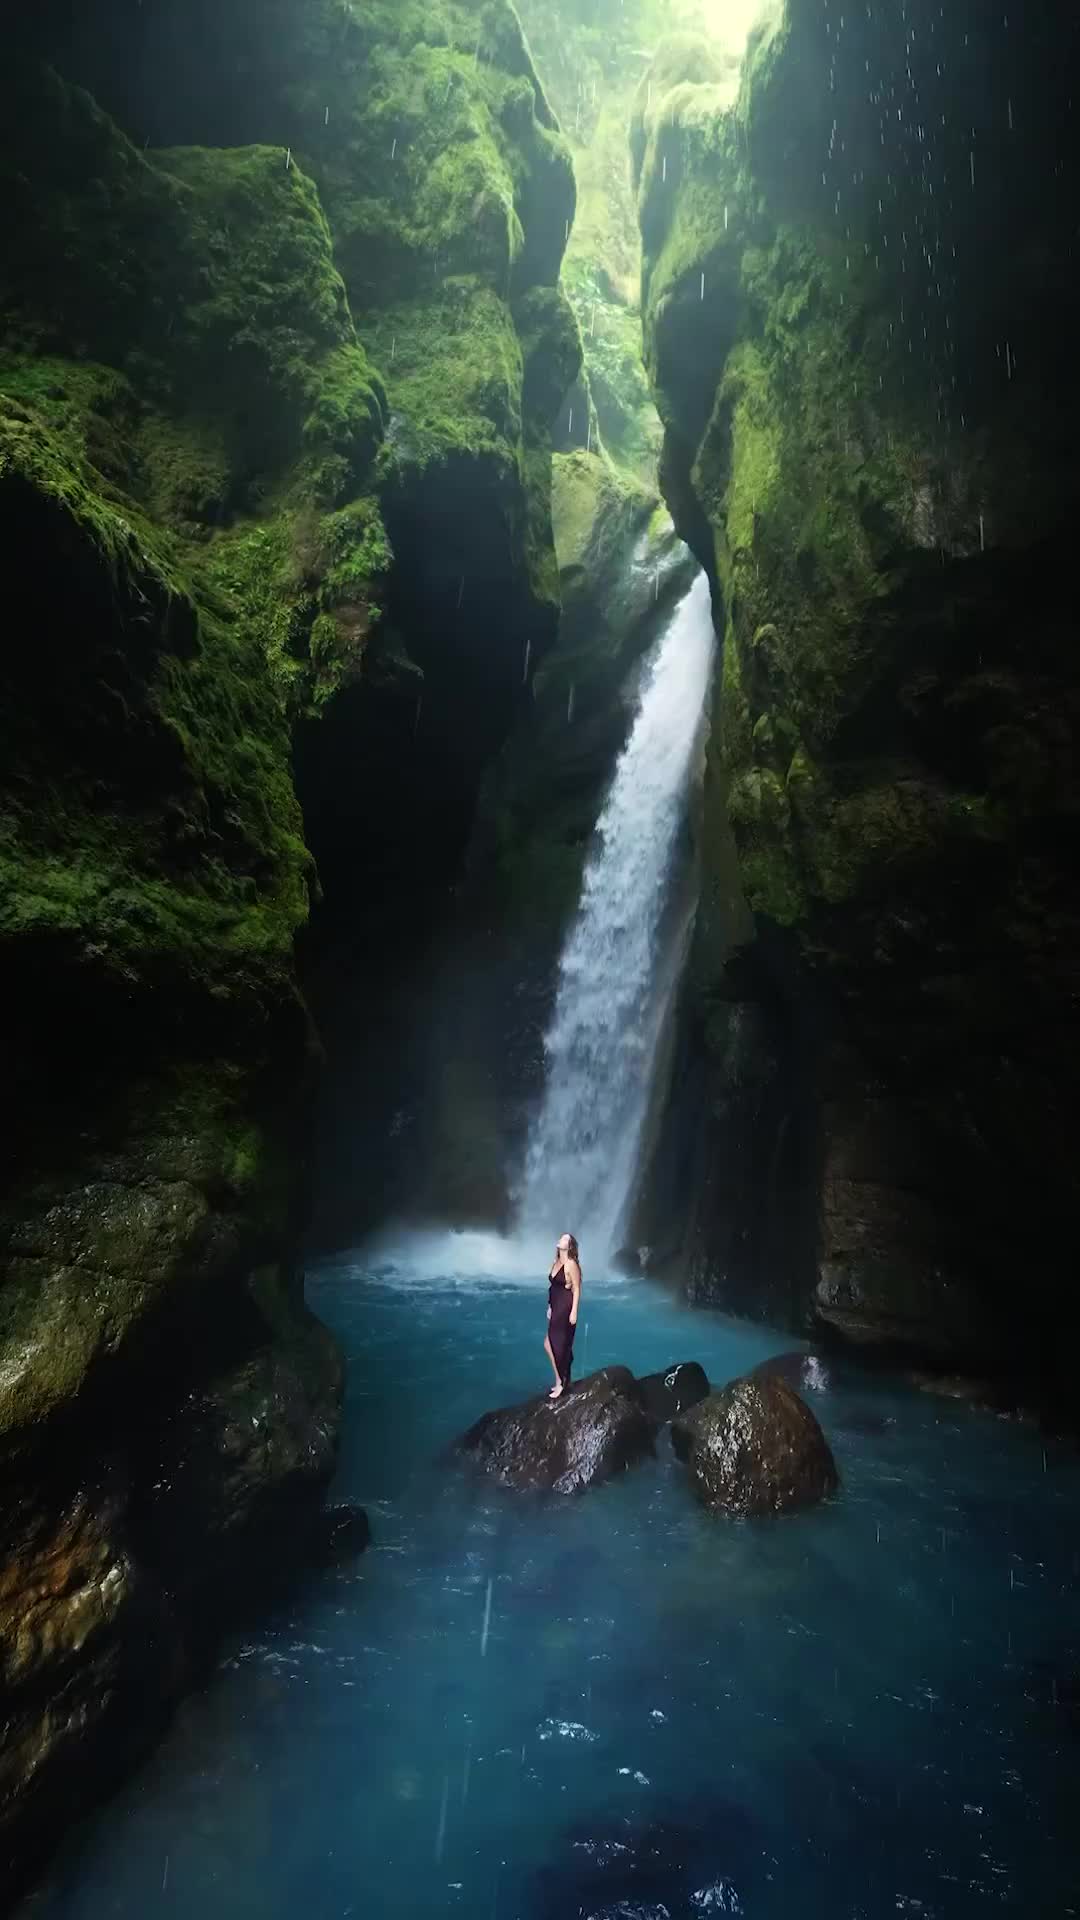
point(281, 340)
point(860, 307)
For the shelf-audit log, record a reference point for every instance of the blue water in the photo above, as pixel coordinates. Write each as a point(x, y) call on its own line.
point(618, 1705)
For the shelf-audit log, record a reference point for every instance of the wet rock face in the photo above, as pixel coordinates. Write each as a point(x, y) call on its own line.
point(676, 1390)
point(593, 1432)
point(868, 418)
point(117, 1575)
point(755, 1448)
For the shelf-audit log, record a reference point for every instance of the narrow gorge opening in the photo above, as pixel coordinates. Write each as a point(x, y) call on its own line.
point(551, 705)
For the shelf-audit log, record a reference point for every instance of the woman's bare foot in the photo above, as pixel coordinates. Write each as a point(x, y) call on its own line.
point(556, 1391)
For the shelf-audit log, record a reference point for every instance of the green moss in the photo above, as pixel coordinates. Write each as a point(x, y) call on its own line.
point(450, 194)
point(207, 278)
point(626, 418)
point(454, 371)
point(551, 350)
point(247, 411)
point(760, 814)
point(92, 408)
point(541, 562)
point(306, 588)
point(195, 455)
point(214, 865)
point(688, 179)
point(201, 424)
point(596, 511)
point(442, 152)
point(183, 471)
point(807, 495)
point(268, 342)
point(858, 844)
point(751, 439)
point(592, 63)
point(51, 463)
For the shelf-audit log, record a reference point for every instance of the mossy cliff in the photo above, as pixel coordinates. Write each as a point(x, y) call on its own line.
point(277, 367)
point(860, 312)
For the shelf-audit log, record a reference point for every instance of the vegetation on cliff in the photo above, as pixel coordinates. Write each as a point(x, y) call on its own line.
point(277, 367)
point(863, 442)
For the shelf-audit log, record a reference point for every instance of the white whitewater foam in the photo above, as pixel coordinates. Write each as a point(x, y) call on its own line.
point(435, 1257)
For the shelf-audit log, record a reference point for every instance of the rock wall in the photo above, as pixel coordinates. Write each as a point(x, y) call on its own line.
point(860, 299)
point(280, 340)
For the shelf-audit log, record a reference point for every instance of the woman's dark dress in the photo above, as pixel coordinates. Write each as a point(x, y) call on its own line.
point(560, 1332)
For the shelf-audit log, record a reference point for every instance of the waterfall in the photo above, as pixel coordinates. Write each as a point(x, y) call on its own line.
point(621, 957)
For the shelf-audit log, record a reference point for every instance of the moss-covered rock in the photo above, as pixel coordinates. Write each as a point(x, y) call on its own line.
point(871, 462)
point(196, 347)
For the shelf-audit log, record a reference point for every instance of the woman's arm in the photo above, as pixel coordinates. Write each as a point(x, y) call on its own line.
point(574, 1273)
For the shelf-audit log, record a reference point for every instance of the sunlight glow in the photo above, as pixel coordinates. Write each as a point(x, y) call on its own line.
point(728, 22)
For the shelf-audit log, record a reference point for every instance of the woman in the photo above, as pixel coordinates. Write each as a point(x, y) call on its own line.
point(564, 1298)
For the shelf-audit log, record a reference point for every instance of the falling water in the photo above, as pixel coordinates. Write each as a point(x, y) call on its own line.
point(620, 958)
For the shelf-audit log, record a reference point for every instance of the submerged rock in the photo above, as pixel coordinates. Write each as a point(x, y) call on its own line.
point(596, 1430)
point(617, 1867)
point(664, 1395)
point(983, 1396)
point(806, 1372)
point(341, 1533)
point(755, 1448)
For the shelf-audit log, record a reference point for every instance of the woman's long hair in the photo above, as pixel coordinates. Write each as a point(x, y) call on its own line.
point(572, 1249)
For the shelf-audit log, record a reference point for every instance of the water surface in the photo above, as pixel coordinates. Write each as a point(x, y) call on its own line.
point(617, 1705)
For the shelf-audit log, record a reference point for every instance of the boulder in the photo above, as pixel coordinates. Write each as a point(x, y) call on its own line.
point(663, 1395)
point(597, 1429)
point(755, 1448)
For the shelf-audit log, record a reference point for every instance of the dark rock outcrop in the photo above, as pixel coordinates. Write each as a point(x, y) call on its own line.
point(755, 1448)
point(596, 1430)
point(129, 1541)
point(675, 1391)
